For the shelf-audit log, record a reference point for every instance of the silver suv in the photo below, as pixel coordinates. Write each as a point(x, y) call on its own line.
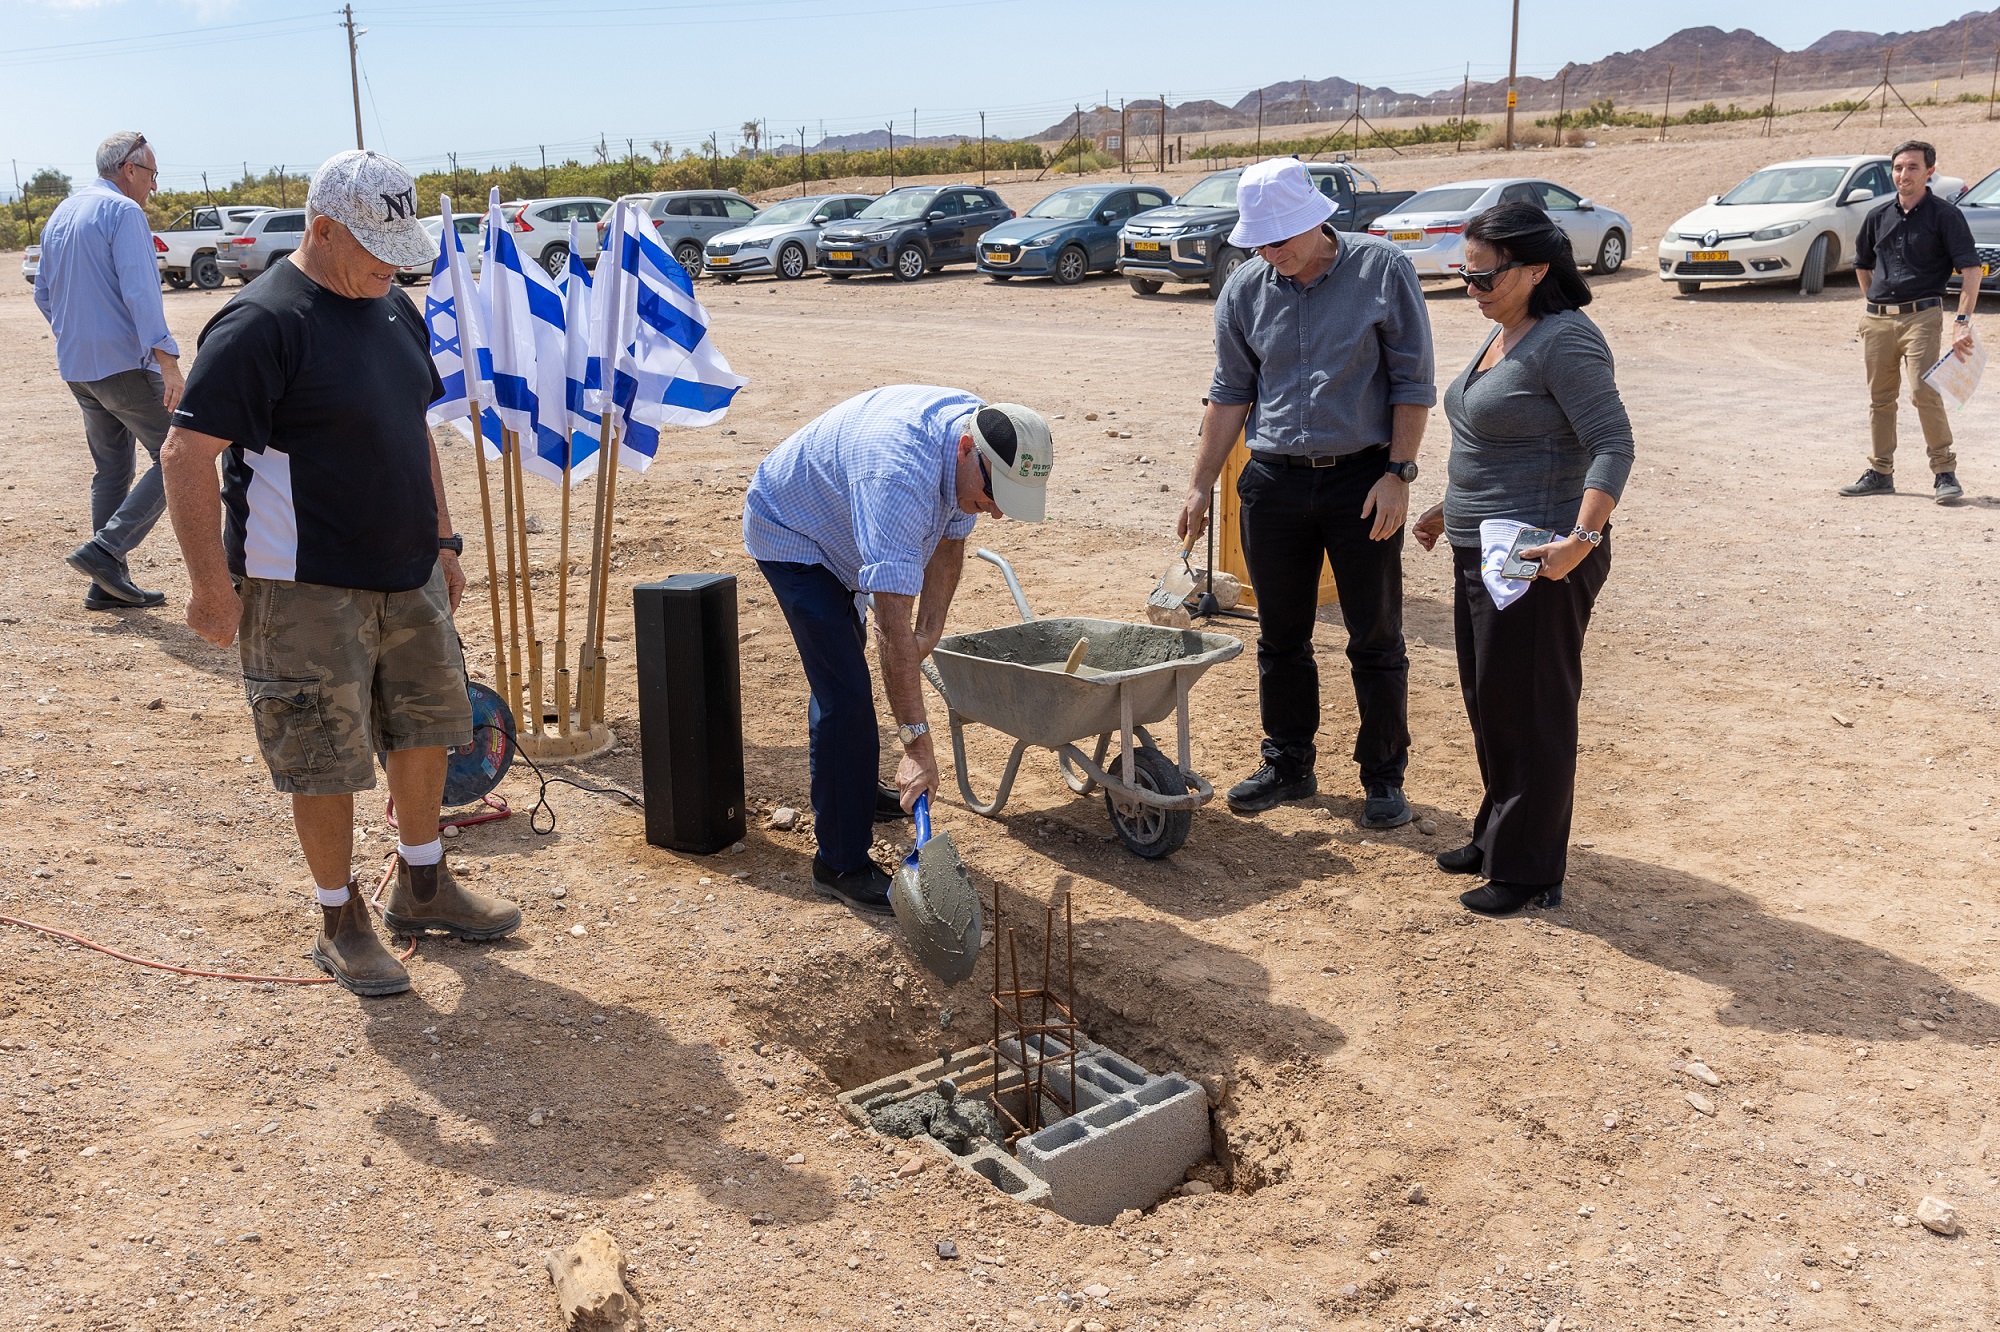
point(269, 237)
point(541, 228)
point(688, 219)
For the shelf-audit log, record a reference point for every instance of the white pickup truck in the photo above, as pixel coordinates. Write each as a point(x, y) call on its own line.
point(191, 241)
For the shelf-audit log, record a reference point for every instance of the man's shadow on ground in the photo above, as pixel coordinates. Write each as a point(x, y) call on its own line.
point(621, 1100)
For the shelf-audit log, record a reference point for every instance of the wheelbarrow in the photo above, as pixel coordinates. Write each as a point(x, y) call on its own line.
point(1019, 680)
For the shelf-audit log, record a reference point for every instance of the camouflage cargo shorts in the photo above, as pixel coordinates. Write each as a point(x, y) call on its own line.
point(334, 674)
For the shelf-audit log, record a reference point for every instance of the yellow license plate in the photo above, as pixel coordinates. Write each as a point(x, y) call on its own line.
point(840, 254)
point(1986, 270)
point(998, 257)
point(1149, 246)
point(1708, 256)
point(718, 261)
point(1406, 235)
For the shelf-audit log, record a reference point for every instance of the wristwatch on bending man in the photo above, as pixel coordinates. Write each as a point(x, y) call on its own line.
point(909, 734)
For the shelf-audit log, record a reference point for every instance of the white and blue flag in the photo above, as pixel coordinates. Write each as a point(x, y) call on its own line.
point(583, 382)
point(451, 315)
point(657, 362)
point(526, 339)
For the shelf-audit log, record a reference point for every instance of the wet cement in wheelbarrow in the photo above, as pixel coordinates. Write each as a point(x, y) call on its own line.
point(1045, 644)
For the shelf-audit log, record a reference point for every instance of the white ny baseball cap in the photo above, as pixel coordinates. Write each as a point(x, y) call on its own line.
point(1019, 450)
point(373, 197)
point(1277, 201)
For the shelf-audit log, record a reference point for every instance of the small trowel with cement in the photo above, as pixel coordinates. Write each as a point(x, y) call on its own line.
point(936, 904)
point(1168, 604)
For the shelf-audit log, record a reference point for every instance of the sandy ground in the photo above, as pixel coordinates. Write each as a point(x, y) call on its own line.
point(1806, 903)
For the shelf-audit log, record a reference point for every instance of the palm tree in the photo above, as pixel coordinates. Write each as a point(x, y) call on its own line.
point(752, 134)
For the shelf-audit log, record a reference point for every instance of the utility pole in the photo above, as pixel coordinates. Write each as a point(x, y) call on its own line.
point(1668, 112)
point(1990, 92)
point(1771, 107)
point(892, 154)
point(353, 70)
point(1513, 57)
point(1562, 105)
point(1464, 93)
point(982, 147)
point(1162, 162)
point(282, 201)
point(802, 161)
point(545, 167)
point(1883, 115)
point(1124, 162)
point(1260, 122)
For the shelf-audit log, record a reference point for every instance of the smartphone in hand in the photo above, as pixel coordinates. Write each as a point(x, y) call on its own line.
point(1528, 539)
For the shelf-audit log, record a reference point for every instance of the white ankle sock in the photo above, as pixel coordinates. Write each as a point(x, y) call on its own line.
point(332, 897)
point(430, 853)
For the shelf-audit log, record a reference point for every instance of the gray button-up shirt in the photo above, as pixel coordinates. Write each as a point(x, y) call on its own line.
point(1324, 363)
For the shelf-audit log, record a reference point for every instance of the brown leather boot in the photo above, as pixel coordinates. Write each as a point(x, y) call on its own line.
point(426, 897)
point(348, 950)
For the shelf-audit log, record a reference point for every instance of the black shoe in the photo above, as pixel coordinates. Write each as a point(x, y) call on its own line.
point(1872, 482)
point(1386, 807)
point(1504, 899)
point(1267, 788)
point(95, 599)
point(1468, 859)
point(888, 804)
point(102, 568)
point(1948, 490)
point(864, 890)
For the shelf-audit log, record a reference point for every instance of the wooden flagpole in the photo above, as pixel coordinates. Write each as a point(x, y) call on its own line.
point(513, 585)
point(604, 579)
point(562, 606)
point(534, 699)
point(586, 687)
point(492, 558)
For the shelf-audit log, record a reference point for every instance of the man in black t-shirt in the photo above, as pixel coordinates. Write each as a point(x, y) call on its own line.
point(1905, 253)
point(329, 550)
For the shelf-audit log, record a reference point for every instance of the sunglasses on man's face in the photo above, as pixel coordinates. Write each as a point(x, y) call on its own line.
point(1484, 281)
point(985, 475)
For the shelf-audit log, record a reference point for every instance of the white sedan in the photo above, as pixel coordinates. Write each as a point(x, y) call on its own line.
point(1430, 228)
point(1792, 222)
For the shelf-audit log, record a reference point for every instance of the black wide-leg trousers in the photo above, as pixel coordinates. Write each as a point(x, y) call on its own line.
point(1521, 672)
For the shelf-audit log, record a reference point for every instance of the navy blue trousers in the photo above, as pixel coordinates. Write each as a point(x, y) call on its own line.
point(845, 744)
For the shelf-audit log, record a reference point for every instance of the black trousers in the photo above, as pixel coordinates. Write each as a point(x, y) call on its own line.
point(1291, 518)
point(1521, 671)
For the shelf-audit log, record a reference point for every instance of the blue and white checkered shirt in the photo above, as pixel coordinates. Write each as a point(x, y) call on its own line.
point(868, 489)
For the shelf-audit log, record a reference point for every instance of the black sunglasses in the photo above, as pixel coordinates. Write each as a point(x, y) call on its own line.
point(1484, 281)
point(985, 475)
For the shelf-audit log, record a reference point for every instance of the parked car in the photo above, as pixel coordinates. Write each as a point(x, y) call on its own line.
point(1067, 236)
point(781, 238)
point(31, 263)
point(541, 228)
point(1189, 242)
point(1430, 228)
point(912, 231)
point(687, 220)
point(194, 241)
point(1790, 222)
point(1981, 206)
point(467, 226)
point(270, 236)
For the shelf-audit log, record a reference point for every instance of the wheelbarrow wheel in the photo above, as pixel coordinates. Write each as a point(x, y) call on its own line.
point(1150, 831)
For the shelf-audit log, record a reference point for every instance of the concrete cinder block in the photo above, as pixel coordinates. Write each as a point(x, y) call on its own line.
point(972, 1071)
point(1127, 1151)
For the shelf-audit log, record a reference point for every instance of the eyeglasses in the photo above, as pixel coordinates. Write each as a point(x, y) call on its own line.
point(1484, 281)
point(132, 152)
point(985, 475)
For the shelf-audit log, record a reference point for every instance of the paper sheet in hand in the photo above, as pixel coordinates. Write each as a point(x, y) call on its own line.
point(1954, 379)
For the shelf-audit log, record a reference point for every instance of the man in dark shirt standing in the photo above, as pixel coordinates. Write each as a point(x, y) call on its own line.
point(329, 549)
point(1325, 337)
point(1905, 253)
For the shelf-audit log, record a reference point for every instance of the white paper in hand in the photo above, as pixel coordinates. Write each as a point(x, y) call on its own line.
point(1496, 538)
point(1954, 379)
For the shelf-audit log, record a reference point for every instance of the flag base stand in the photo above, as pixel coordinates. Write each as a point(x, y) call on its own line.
point(553, 746)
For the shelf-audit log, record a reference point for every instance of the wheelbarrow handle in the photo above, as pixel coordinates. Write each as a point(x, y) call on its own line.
point(994, 557)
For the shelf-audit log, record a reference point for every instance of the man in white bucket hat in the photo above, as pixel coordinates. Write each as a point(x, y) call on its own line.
point(1323, 351)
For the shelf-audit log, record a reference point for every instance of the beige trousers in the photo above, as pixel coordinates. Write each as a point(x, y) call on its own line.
point(1891, 345)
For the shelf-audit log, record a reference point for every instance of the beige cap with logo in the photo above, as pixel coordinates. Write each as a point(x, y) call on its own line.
point(373, 197)
point(1016, 443)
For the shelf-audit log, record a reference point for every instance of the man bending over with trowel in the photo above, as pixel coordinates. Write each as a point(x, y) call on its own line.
point(336, 562)
point(876, 498)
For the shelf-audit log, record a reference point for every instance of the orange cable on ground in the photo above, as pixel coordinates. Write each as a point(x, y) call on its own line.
point(196, 971)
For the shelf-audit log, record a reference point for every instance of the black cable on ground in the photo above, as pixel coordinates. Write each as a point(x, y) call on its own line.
point(542, 804)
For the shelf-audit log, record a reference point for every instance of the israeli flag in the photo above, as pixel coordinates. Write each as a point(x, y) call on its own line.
point(454, 327)
point(659, 365)
point(529, 393)
point(582, 378)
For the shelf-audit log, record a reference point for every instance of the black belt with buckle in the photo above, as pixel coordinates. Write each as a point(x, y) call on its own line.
point(1375, 452)
point(1907, 307)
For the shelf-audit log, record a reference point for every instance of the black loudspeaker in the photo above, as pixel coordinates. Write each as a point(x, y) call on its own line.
point(690, 711)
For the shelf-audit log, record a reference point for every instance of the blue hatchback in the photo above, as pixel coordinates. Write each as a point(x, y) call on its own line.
point(1068, 235)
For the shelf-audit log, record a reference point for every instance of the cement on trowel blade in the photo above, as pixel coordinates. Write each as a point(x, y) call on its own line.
point(939, 910)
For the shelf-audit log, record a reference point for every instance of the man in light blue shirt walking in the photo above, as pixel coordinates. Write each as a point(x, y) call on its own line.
point(876, 497)
point(99, 288)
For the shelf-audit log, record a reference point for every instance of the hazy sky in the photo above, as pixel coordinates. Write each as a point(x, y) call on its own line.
point(216, 83)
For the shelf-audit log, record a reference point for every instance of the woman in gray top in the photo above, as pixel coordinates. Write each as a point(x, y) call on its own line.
point(1538, 436)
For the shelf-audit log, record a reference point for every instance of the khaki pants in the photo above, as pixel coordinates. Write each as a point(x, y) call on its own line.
point(1891, 344)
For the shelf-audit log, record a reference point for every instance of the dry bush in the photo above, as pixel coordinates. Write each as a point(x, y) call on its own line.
point(1532, 136)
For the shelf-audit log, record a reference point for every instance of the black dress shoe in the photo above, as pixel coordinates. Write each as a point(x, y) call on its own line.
point(1947, 490)
point(1872, 482)
point(102, 568)
point(1269, 787)
point(95, 599)
point(1385, 807)
point(889, 804)
point(864, 890)
point(1504, 899)
point(1468, 859)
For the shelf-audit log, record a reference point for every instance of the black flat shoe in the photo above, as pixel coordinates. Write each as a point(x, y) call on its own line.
point(1468, 859)
point(864, 890)
point(1504, 899)
point(888, 804)
point(1269, 787)
point(96, 599)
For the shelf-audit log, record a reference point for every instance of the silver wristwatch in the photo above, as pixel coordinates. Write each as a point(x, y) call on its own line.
point(1587, 538)
point(910, 734)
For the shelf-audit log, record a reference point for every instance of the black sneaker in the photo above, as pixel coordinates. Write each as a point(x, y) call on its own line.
point(1872, 482)
point(1386, 807)
point(96, 598)
point(109, 575)
point(1948, 490)
point(864, 890)
point(888, 804)
point(1504, 899)
point(1268, 787)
